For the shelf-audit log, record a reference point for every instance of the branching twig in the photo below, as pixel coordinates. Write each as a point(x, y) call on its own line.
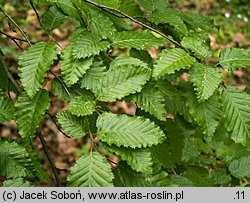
point(108, 9)
point(46, 151)
point(15, 38)
point(17, 26)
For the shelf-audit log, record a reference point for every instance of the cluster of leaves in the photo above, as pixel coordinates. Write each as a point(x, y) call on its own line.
point(207, 143)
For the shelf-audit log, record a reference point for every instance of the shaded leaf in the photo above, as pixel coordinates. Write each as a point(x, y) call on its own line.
point(18, 182)
point(29, 112)
point(240, 168)
point(7, 109)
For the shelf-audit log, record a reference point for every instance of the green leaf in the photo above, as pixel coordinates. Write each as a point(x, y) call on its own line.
point(140, 39)
point(73, 69)
point(91, 170)
point(17, 182)
point(126, 177)
point(53, 18)
point(220, 176)
point(207, 114)
point(236, 109)
point(123, 130)
point(88, 45)
point(18, 161)
point(99, 23)
point(83, 105)
point(7, 109)
point(198, 46)
point(206, 80)
point(171, 60)
point(122, 80)
point(130, 7)
point(73, 126)
point(240, 168)
point(29, 112)
point(33, 65)
point(113, 3)
point(139, 159)
point(91, 80)
point(152, 101)
point(169, 153)
point(234, 58)
point(152, 5)
point(197, 21)
point(171, 17)
point(68, 8)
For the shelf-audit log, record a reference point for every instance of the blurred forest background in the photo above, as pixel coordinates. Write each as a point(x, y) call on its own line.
point(232, 19)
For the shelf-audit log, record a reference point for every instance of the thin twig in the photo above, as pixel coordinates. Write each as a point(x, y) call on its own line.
point(17, 26)
point(40, 22)
point(64, 86)
point(15, 38)
point(107, 9)
point(58, 127)
point(46, 151)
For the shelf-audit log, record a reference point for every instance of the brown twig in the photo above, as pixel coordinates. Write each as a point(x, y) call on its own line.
point(15, 38)
point(17, 26)
point(58, 127)
point(46, 151)
point(108, 9)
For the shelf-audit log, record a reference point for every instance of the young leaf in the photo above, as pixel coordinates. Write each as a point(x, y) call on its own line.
point(88, 45)
point(17, 161)
point(123, 130)
point(234, 58)
point(73, 126)
point(140, 39)
point(240, 168)
point(122, 80)
point(33, 65)
point(236, 109)
point(171, 60)
point(53, 18)
point(17, 182)
point(126, 177)
point(206, 80)
point(91, 80)
point(207, 114)
point(91, 170)
point(7, 109)
point(82, 105)
point(152, 101)
point(139, 159)
point(197, 46)
point(29, 112)
point(73, 69)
